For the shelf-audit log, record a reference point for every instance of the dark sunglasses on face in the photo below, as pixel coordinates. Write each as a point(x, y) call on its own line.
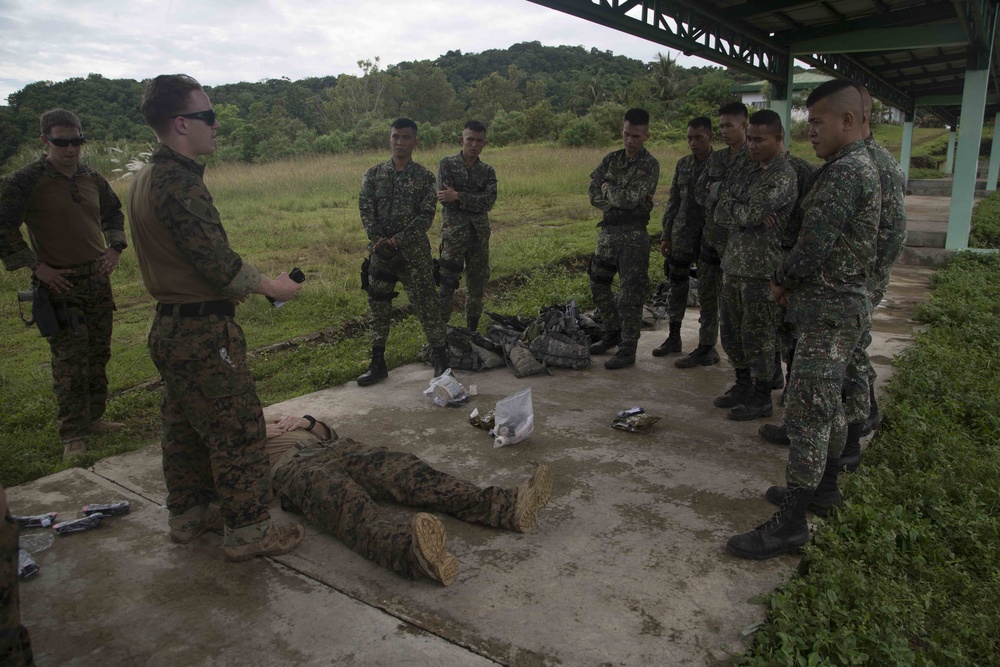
point(63, 143)
point(207, 116)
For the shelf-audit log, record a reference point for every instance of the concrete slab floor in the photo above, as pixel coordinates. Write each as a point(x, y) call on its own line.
point(627, 565)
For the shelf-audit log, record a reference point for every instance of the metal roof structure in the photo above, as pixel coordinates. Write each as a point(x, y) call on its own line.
point(910, 53)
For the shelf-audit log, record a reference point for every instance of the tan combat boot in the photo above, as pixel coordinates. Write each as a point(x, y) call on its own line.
point(192, 524)
point(279, 540)
point(74, 447)
point(428, 548)
point(532, 495)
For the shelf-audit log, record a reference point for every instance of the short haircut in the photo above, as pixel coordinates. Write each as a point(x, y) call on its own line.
point(403, 123)
point(769, 119)
point(637, 117)
point(701, 121)
point(475, 126)
point(164, 98)
point(733, 109)
point(54, 117)
point(828, 88)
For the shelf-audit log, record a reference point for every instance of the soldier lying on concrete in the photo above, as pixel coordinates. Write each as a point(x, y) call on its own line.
point(334, 482)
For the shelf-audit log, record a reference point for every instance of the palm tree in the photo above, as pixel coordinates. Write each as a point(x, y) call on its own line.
point(664, 73)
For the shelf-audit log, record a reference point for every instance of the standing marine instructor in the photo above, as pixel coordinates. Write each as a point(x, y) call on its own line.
point(213, 424)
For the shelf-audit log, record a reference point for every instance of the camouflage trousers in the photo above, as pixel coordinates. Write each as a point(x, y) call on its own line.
point(15, 645)
point(814, 412)
point(749, 322)
point(335, 486)
point(685, 244)
point(213, 424)
point(625, 252)
point(81, 350)
point(464, 247)
point(713, 246)
point(417, 277)
point(860, 373)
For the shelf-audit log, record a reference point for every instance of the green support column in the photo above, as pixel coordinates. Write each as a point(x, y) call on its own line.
point(991, 175)
point(949, 164)
point(907, 146)
point(781, 103)
point(967, 160)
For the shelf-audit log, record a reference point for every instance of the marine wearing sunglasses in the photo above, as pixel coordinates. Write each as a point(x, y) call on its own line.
point(63, 143)
point(208, 116)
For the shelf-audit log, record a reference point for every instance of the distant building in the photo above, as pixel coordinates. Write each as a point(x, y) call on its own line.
point(803, 83)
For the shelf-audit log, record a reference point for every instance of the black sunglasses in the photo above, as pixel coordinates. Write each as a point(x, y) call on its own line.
point(207, 116)
point(63, 143)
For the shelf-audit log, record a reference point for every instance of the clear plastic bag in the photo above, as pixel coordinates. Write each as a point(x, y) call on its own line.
point(514, 419)
point(445, 390)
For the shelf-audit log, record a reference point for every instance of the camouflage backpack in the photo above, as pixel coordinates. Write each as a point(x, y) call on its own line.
point(468, 351)
point(557, 339)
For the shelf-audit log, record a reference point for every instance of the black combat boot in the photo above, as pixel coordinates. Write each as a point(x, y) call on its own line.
point(703, 355)
point(739, 393)
point(778, 379)
point(472, 323)
point(776, 434)
point(439, 357)
point(609, 340)
point(873, 415)
point(672, 343)
point(758, 404)
point(377, 370)
point(784, 532)
point(824, 498)
point(850, 460)
point(624, 356)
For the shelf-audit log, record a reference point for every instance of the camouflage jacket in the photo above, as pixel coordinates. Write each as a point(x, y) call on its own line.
point(827, 269)
point(721, 166)
point(804, 172)
point(16, 197)
point(754, 249)
point(181, 246)
point(681, 208)
point(477, 191)
point(631, 183)
point(398, 204)
point(892, 220)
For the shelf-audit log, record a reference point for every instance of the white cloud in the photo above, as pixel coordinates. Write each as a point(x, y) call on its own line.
point(226, 41)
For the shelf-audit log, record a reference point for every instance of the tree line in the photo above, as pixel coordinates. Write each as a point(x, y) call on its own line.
point(525, 93)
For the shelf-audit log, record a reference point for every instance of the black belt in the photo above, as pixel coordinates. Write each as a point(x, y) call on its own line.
point(81, 270)
point(201, 309)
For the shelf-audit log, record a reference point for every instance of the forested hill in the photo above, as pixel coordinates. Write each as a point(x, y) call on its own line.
point(527, 92)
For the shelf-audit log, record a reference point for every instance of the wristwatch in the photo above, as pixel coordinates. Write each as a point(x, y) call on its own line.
point(118, 246)
point(312, 421)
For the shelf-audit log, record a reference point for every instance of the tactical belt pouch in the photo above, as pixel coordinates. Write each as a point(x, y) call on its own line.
point(365, 267)
point(43, 312)
point(202, 309)
point(620, 220)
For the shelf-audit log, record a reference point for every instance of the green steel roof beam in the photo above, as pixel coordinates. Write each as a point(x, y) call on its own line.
point(886, 39)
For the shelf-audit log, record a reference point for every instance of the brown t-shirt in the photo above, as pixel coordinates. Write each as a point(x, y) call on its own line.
point(292, 440)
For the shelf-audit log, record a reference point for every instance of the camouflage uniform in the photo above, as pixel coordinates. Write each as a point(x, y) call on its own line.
point(828, 303)
point(889, 245)
point(335, 484)
point(213, 424)
point(683, 221)
point(804, 172)
point(723, 168)
point(750, 314)
point(71, 221)
point(465, 232)
point(623, 242)
point(401, 205)
point(15, 644)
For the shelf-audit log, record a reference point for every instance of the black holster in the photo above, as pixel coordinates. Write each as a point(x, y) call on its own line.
point(43, 312)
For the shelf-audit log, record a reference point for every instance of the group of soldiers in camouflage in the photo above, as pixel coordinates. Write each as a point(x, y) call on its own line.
point(790, 264)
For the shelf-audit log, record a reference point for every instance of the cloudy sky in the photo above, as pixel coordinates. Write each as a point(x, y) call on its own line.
point(226, 41)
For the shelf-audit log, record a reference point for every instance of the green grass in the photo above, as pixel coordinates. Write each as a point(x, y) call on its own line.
point(985, 231)
point(907, 573)
point(304, 213)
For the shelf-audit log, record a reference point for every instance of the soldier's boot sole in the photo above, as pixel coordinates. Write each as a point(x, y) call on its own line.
point(189, 526)
point(279, 540)
point(532, 495)
point(428, 549)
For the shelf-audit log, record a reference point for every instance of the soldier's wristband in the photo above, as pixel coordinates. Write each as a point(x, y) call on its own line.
point(311, 420)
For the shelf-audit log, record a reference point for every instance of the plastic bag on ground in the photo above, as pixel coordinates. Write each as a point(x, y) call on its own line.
point(445, 390)
point(514, 419)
